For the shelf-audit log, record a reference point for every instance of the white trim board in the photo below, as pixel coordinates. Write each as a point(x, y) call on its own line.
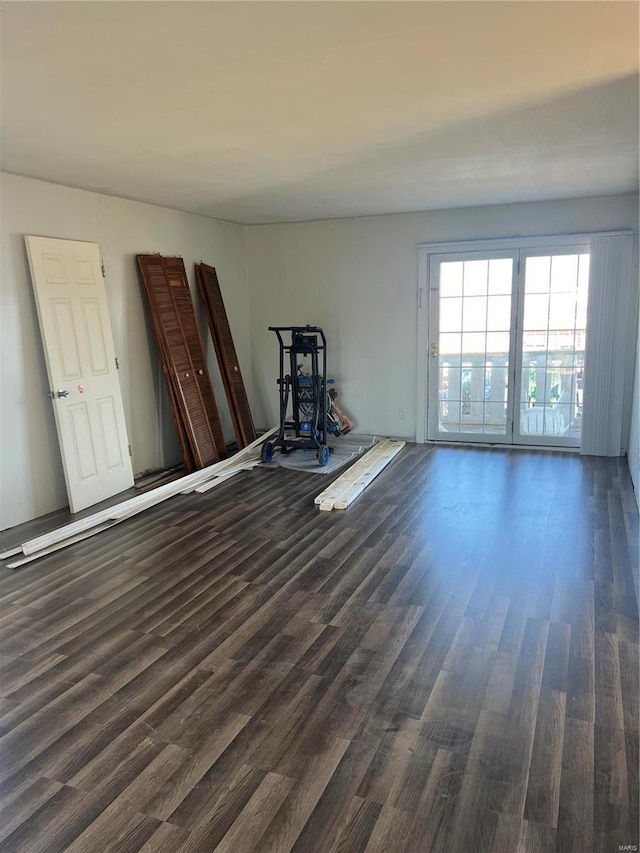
point(79, 537)
point(343, 491)
point(11, 552)
point(119, 512)
point(72, 540)
point(211, 484)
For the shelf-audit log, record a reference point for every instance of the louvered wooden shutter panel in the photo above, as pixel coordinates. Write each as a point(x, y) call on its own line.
point(226, 353)
point(207, 413)
point(187, 454)
point(150, 273)
point(167, 290)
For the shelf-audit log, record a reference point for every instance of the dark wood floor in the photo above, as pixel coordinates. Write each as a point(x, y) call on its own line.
point(450, 665)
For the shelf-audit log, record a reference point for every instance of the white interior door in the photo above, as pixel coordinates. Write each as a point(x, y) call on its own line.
point(81, 364)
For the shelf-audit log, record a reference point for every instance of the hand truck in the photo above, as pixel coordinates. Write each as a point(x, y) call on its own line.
point(304, 355)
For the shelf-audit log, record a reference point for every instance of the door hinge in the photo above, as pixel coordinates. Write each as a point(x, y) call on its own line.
point(104, 272)
point(130, 451)
point(117, 360)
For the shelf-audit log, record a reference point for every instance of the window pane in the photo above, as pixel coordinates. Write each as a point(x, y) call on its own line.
point(583, 274)
point(535, 341)
point(536, 312)
point(500, 275)
point(497, 343)
point(473, 386)
point(495, 396)
point(450, 383)
point(474, 315)
point(475, 278)
point(537, 275)
point(450, 314)
point(473, 343)
point(542, 421)
point(583, 291)
point(564, 273)
point(533, 378)
point(562, 312)
point(449, 416)
point(450, 344)
point(499, 313)
point(451, 278)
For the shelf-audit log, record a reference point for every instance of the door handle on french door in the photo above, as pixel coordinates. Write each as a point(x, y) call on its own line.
point(434, 350)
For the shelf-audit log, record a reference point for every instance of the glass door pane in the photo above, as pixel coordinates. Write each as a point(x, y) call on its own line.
point(471, 347)
point(554, 319)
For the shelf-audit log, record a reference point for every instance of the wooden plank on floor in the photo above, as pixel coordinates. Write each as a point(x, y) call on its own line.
point(343, 491)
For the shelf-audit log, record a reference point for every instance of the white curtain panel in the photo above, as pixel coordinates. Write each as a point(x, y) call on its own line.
point(610, 287)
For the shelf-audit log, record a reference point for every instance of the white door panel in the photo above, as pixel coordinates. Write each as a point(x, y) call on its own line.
point(81, 364)
point(471, 346)
point(552, 346)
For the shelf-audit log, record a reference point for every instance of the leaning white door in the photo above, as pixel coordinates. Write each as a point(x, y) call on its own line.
point(82, 368)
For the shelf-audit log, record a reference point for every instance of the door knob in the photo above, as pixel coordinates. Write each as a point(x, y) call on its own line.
point(59, 393)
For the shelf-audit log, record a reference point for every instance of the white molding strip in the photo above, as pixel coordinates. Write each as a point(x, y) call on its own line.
point(217, 481)
point(137, 504)
point(79, 537)
point(343, 491)
point(11, 552)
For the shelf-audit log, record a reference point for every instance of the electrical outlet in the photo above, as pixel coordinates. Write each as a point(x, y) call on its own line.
point(402, 414)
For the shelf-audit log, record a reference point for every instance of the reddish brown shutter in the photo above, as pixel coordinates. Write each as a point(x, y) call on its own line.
point(184, 364)
point(226, 353)
point(183, 438)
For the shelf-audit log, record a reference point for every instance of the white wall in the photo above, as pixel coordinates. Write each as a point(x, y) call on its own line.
point(31, 478)
point(357, 278)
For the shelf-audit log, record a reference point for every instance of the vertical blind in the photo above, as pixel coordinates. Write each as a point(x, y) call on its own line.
point(610, 300)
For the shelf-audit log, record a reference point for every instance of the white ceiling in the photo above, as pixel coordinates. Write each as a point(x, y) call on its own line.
point(282, 111)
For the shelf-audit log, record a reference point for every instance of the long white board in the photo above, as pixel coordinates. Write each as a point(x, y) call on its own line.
point(137, 504)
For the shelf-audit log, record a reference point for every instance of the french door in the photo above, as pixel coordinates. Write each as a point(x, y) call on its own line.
point(506, 345)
